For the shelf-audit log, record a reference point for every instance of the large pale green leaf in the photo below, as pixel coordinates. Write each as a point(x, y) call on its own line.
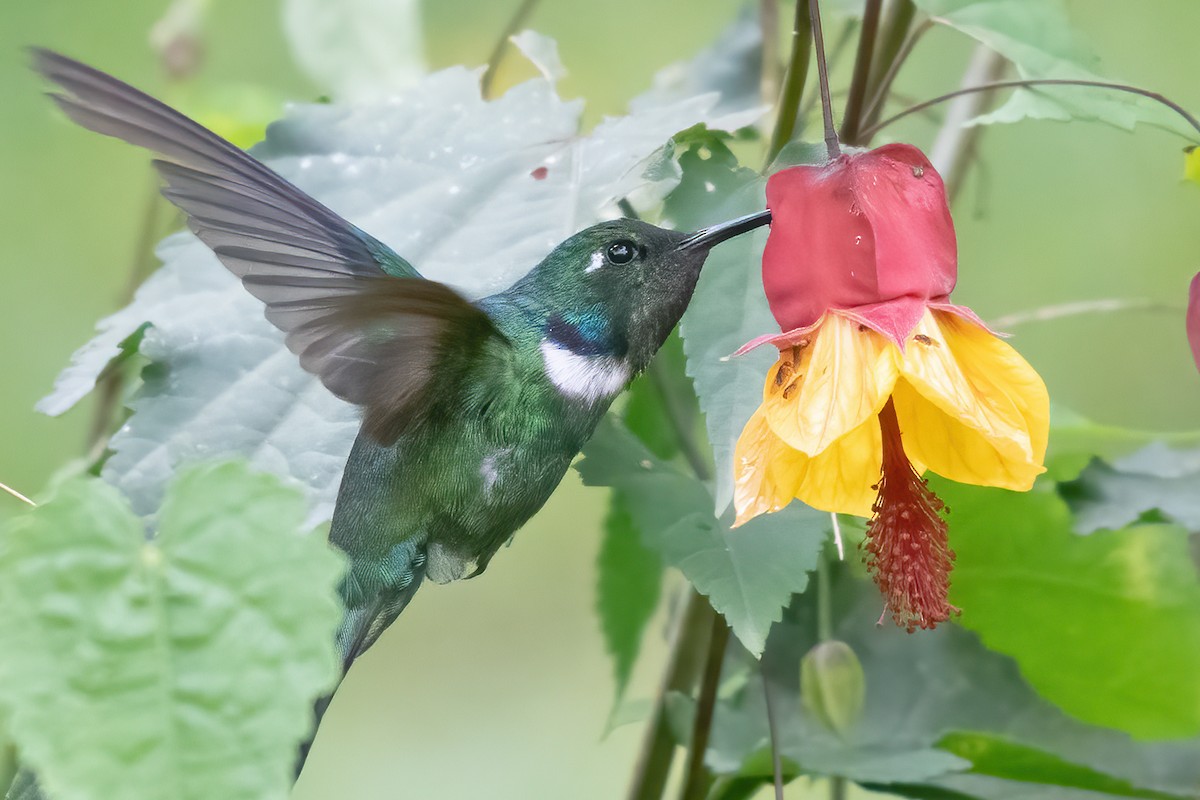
point(1089, 618)
point(442, 176)
point(748, 574)
point(629, 580)
point(176, 666)
point(1037, 36)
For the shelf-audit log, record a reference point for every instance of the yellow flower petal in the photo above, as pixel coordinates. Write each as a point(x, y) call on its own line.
point(819, 392)
point(841, 478)
point(759, 458)
point(768, 473)
point(970, 407)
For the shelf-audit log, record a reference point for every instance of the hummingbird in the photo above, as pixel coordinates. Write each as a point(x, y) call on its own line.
point(471, 411)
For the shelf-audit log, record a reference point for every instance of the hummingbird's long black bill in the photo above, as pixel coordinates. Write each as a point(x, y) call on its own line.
point(705, 238)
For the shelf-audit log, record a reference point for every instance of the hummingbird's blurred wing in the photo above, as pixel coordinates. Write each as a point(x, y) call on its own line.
point(359, 316)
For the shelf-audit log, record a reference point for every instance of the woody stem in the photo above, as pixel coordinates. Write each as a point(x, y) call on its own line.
point(831, 136)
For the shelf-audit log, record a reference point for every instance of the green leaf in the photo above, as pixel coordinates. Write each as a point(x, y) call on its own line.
point(1084, 616)
point(1037, 36)
point(25, 787)
point(646, 413)
point(92, 364)
point(1076, 440)
point(179, 666)
point(1002, 758)
point(357, 50)
point(1156, 478)
point(440, 175)
point(8, 763)
point(628, 584)
point(919, 688)
point(729, 307)
point(748, 574)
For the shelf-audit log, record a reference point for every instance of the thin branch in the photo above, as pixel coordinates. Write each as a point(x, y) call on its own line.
point(852, 114)
point(17, 495)
point(831, 137)
point(1032, 82)
point(1080, 308)
point(698, 779)
point(514, 26)
point(793, 83)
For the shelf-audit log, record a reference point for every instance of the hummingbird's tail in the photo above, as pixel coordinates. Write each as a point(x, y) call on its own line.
point(363, 624)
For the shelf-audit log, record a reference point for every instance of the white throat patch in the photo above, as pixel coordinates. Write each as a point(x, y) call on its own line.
point(587, 378)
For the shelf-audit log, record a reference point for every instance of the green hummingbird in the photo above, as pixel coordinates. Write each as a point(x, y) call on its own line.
point(471, 411)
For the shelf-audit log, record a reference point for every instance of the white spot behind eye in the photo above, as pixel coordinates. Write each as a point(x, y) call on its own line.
point(596, 263)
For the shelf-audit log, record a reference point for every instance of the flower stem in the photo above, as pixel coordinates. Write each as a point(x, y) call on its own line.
point(514, 24)
point(837, 784)
point(680, 417)
point(698, 779)
point(793, 83)
point(658, 747)
point(824, 601)
point(1030, 83)
point(831, 137)
point(852, 115)
point(773, 733)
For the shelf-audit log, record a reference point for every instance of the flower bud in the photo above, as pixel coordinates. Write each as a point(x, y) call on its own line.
point(832, 685)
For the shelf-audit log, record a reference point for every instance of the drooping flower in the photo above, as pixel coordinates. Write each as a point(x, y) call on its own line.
point(879, 376)
point(1193, 318)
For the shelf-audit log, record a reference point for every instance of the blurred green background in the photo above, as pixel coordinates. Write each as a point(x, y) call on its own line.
point(499, 687)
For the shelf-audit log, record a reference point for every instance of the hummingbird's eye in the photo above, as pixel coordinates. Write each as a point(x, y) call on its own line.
point(621, 252)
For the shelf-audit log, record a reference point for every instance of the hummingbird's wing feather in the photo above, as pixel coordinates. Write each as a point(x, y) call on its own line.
point(395, 346)
point(360, 317)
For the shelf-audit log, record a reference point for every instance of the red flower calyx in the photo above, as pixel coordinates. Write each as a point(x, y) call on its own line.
point(869, 234)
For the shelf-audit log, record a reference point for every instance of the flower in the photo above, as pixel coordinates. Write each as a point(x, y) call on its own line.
point(1192, 318)
point(879, 376)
